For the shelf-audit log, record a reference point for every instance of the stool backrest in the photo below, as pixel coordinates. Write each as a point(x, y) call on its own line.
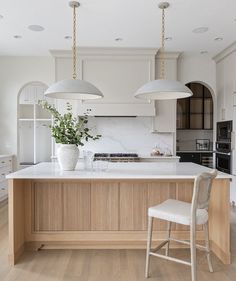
point(202, 190)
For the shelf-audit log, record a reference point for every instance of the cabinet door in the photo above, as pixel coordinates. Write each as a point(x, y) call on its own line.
point(48, 197)
point(104, 206)
point(76, 206)
point(196, 106)
point(183, 113)
point(208, 113)
point(133, 206)
point(165, 122)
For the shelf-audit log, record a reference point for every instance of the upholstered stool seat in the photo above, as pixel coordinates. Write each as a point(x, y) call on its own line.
point(191, 214)
point(178, 212)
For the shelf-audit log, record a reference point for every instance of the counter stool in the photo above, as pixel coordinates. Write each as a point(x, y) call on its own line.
point(192, 214)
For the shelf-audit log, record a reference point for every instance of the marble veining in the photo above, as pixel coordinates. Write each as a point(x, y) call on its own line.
point(127, 135)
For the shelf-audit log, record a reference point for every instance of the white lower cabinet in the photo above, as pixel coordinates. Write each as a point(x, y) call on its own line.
point(5, 169)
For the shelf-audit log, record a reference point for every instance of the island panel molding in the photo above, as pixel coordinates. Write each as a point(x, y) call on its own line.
point(48, 206)
point(133, 206)
point(76, 206)
point(104, 205)
point(117, 211)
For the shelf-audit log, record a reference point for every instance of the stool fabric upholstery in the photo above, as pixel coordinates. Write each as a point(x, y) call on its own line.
point(178, 212)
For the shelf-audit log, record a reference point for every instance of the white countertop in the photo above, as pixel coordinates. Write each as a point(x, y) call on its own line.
point(139, 170)
point(5, 155)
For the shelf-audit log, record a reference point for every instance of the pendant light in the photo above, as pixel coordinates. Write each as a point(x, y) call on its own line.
point(73, 89)
point(163, 89)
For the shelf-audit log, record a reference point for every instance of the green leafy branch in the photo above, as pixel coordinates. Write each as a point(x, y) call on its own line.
point(67, 129)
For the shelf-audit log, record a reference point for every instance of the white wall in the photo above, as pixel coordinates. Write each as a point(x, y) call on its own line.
point(14, 73)
point(197, 67)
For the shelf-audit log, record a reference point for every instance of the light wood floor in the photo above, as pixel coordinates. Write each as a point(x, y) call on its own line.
point(106, 265)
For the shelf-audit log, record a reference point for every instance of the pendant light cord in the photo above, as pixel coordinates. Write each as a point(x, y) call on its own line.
point(162, 61)
point(74, 42)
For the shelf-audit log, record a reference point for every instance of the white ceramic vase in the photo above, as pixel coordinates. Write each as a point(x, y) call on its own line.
point(68, 155)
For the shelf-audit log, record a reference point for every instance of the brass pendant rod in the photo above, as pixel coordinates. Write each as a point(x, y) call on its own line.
point(162, 44)
point(74, 43)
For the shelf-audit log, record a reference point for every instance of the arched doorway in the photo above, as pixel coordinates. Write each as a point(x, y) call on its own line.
point(195, 117)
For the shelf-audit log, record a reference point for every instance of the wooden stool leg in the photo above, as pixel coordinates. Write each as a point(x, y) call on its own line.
point(206, 232)
point(193, 252)
point(168, 238)
point(149, 242)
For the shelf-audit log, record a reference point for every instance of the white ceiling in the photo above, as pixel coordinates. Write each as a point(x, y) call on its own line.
point(101, 21)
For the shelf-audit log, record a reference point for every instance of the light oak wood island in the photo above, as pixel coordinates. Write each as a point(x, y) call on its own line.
point(81, 209)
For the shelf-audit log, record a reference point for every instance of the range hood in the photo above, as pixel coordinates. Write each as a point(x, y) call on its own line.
point(117, 72)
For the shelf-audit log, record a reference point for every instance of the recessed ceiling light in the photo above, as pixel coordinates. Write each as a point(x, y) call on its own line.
point(17, 36)
point(218, 39)
point(202, 29)
point(1, 17)
point(118, 39)
point(68, 37)
point(35, 27)
point(203, 52)
point(168, 38)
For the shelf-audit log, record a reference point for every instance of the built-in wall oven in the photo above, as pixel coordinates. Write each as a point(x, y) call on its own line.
point(223, 162)
point(223, 147)
point(224, 131)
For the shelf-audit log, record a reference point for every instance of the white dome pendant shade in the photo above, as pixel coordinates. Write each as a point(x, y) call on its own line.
point(163, 89)
point(73, 89)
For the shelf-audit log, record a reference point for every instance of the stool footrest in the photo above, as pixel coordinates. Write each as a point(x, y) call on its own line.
point(200, 247)
point(170, 258)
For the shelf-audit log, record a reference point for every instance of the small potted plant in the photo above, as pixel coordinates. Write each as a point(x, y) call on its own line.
point(70, 132)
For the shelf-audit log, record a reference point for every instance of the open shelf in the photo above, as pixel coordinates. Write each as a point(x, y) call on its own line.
point(34, 135)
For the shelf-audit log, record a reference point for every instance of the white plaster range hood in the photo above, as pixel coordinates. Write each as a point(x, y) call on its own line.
point(117, 72)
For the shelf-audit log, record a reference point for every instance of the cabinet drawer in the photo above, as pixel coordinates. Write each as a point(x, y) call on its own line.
point(4, 185)
point(3, 195)
point(5, 161)
point(5, 171)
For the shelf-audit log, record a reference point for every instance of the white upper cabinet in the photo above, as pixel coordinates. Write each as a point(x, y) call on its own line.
point(226, 83)
point(117, 73)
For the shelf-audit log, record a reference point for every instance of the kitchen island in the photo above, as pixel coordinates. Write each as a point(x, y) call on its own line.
point(49, 208)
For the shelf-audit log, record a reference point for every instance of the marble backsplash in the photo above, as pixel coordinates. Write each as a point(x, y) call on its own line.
point(127, 134)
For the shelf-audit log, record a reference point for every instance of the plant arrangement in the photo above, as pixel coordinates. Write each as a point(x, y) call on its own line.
point(67, 129)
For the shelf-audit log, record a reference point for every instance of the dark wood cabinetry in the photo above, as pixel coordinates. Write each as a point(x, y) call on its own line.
point(201, 158)
point(196, 112)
